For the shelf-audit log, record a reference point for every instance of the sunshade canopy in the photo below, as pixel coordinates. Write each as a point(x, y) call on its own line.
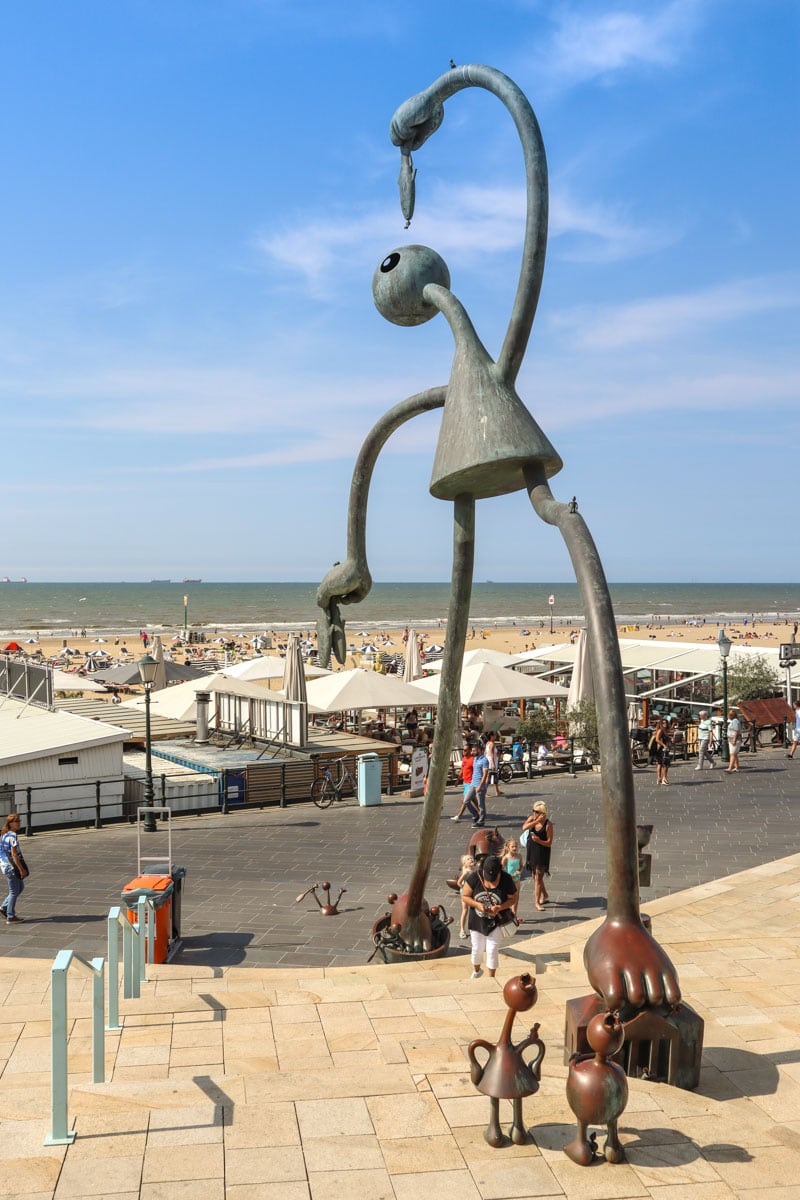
point(269, 666)
point(484, 683)
point(363, 689)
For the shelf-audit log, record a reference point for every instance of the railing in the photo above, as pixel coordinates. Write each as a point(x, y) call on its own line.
point(134, 973)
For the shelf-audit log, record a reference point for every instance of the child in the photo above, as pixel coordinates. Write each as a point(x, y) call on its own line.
point(467, 867)
point(467, 762)
point(512, 864)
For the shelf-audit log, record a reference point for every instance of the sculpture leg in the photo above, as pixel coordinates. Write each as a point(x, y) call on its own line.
point(624, 962)
point(493, 1134)
point(581, 1150)
point(613, 1148)
point(518, 1133)
point(449, 704)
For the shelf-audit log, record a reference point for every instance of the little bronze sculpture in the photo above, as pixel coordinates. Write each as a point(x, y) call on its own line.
point(505, 1075)
point(597, 1091)
point(490, 445)
point(327, 909)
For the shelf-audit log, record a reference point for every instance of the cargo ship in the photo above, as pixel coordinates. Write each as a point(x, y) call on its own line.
point(191, 581)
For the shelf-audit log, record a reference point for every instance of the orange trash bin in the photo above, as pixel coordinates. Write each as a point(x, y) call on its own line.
point(158, 889)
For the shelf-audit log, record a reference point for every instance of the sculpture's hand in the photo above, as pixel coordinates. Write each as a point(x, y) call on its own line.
point(626, 966)
point(345, 583)
point(415, 120)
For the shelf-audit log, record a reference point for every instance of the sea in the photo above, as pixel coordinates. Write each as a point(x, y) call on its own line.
point(51, 609)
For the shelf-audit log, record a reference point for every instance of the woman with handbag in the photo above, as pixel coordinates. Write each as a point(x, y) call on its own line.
point(489, 894)
point(13, 866)
point(540, 840)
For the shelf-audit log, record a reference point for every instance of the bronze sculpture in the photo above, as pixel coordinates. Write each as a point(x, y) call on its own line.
point(490, 445)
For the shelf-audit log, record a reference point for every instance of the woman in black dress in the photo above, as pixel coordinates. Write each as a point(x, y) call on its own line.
point(540, 839)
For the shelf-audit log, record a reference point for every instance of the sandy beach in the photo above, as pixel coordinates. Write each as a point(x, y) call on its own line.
point(510, 639)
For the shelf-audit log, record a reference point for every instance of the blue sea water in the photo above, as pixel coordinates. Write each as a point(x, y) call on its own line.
point(234, 607)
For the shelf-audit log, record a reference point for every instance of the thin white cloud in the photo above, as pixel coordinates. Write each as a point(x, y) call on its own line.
point(601, 45)
point(464, 223)
point(666, 318)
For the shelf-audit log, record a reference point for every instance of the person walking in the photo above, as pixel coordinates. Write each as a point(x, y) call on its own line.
point(13, 866)
point(540, 841)
point(796, 730)
point(467, 764)
point(493, 754)
point(487, 892)
point(476, 796)
point(703, 737)
point(663, 758)
point(734, 734)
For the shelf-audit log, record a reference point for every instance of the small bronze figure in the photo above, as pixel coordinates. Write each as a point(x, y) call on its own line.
point(505, 1075)
point(327, 909)
point(597, 1091)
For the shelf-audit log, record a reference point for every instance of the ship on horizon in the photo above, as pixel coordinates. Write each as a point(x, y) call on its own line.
point(6, 579)
point(191, 581)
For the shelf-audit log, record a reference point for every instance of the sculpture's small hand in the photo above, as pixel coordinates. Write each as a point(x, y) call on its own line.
point(626, 966)
point(345, 583)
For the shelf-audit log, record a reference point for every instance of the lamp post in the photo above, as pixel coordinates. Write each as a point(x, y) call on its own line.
point(147, 673)
point(724, 646)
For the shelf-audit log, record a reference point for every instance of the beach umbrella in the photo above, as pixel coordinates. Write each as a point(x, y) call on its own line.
point(363, 689)
point(269, 666)
point(160, 681)
point(413, 666)
point(496, 657)
point(484, 683)
point(127, 674)
point(294, 679)
point(581, 686)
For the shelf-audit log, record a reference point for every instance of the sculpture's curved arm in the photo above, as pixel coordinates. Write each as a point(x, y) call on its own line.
point(420, 116)
point(350, 581)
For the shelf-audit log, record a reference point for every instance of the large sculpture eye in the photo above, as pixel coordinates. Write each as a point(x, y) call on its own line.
point(398, 283)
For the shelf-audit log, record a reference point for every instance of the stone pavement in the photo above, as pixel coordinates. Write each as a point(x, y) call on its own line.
point(326, 1083)
point(245, 870)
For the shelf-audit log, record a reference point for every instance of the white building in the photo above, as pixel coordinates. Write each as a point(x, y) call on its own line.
point(61, 758)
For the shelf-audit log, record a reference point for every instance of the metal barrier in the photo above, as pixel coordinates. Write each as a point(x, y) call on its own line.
point(60, 1134)
point(134, 973)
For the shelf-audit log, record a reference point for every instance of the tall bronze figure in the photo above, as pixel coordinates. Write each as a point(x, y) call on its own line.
point(489, 445)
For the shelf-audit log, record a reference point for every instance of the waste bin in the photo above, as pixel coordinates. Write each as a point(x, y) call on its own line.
point(158, 889)
point(369, 779)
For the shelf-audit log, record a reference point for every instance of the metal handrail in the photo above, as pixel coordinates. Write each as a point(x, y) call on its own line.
point(60, 1134)
point(134, 973)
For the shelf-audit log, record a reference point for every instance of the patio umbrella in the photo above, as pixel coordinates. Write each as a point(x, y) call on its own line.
point(363, 689)
point(63, 681)
point(413, 667)
point(160, 681)
point(128, 673)
point(581, 685)
point(269, 666)
point(294, 679)
point(484, 683)
point(495, 657)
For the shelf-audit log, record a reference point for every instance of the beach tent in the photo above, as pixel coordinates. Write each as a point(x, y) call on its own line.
point(495, 657)
point(13, 648)
point(128, 674)
point(484, 683)
point(363, 689)
point(269, 666)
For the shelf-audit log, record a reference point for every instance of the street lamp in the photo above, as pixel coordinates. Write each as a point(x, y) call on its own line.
point(147, 673)
point(724, 646)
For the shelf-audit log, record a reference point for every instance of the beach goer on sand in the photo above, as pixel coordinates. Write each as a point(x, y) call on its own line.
point(796, 730)
point(493, 755)
point(13, 866)
point(703, 737)
point(734, 735)
point(488, 892)
point(663, 739)
point(512, 863)
point(476, 796)
point(467, 765)
point(468, 865)
point(540, 841)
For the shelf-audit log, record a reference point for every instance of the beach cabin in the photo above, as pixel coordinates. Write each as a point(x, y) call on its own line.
point(51, 764)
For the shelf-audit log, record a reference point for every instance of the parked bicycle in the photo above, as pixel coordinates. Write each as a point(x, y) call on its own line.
point(640, 752)
point(325, 789)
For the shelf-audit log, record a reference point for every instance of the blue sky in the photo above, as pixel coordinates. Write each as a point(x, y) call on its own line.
point(196, 194)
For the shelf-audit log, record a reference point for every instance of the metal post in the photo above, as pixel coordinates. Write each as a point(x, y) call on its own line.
point(59, 1134)
point(98, 1021)
point(572, 756)
point(530, 763)
point(149, 825)
point(225, 793)
point(113, 968)
point(145, 927)
point(28, 812)
point(724, 738)
point(98, 824)
point(283, 785)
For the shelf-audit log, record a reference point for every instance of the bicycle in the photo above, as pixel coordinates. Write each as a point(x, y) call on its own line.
point(640, 753)
point(325, 789)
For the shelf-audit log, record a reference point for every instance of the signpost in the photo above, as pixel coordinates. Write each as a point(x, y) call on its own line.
point(788, 655)
point(551, 601)
point(185, 614)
